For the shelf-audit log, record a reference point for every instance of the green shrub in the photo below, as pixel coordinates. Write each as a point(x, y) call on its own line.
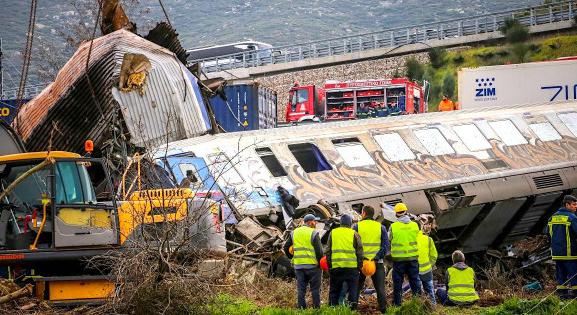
point(458, 59)
point(517, 34)
point(514, 31)
point(534, 48)
point(414, 69)
point(507, 25)
point(449, 85)
point(437, 57)
point(502, 53)
point(520, 51)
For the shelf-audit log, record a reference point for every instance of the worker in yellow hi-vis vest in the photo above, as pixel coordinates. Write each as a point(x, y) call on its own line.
point(375, 246)
point(305, 249)
point(427, 259)
point(460, 283)
point(345, 259)
point(404, 252)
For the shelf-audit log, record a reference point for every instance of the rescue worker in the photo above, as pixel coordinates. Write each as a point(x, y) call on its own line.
point(375, 245)
point(345, 259)
point(446, 105)
point(404, 252)
point(562, 229)
point(460, 283)
point(307, 252)
point(427, 259)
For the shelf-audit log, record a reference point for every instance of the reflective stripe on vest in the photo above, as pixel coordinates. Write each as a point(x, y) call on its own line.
point(404, 240)
point(562, 220)
point(304, 251)
point(370, 232)
point(423, 244)
point(343, 254)
point(462, 285)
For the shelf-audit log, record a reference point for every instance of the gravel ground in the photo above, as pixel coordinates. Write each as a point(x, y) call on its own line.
point(363, 70)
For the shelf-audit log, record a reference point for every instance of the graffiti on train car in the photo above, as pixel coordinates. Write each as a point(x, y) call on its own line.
point(344, 179)
point(521, 156)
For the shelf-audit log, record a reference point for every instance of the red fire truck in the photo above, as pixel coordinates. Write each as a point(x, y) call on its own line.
point(354, 100)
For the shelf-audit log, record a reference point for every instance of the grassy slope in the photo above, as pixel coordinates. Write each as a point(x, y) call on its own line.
point(539, 50)
point(225, 304)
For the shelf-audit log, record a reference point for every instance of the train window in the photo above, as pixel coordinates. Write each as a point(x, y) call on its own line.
point(310, 158)
point(223, 169)
point(570, 120)
point(507, 131)
point(434, 141)
point(394, 147)
point(353, 152)
point(271, 162)
point(545, 131)
point(472, 137)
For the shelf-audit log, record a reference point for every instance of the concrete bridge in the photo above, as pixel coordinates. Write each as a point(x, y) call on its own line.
point(539, 19)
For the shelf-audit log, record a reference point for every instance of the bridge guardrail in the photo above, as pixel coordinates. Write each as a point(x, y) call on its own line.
point(391, 38)
point(29, 92)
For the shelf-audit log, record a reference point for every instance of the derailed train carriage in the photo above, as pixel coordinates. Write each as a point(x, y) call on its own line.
point(489, 176)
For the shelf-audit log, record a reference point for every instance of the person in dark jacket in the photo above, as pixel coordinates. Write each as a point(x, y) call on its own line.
point(345, 259)
point(562, 229)
point(375, 246)
point(307, 252)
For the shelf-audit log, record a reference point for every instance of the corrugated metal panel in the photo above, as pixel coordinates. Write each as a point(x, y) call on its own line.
point(248, 107)
point(169, 107)
point(164, 35)
point(69, 103)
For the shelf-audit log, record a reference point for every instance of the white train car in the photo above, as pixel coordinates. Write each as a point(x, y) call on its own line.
point(490, 176)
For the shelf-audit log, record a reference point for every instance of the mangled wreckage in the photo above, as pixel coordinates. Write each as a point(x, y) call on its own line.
point(489, 177)
point(121, 91)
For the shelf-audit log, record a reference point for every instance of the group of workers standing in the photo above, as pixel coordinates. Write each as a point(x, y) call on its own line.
point(357, 251)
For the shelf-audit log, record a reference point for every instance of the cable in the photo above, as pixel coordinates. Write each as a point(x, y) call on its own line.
point(165, 14)
point(93, 95)
point(26, 61)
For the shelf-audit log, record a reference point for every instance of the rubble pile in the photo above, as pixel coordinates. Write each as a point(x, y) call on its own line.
point(364, 70)
point(14, 297)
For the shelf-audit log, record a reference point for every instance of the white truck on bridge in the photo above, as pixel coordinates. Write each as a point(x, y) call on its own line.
point(527, 83)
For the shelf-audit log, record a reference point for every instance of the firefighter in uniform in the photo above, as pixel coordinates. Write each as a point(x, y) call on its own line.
point(562, 228)
point(345, 259)
point(427, 258)
point(404, 252)
point(375, 247)
point(306, 253)
point(460, 283)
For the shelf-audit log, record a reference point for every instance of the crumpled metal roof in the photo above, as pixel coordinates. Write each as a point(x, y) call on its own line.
point(164, 35)
point(65, 113)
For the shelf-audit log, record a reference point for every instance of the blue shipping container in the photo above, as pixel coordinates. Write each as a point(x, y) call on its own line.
point(8, 109)
point(248, 107)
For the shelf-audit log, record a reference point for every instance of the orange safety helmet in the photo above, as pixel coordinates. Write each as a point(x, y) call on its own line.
point(324, 263)
point(291, 250)
point(369, 267)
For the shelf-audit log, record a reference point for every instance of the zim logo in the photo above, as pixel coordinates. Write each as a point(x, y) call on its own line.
point(485, 87)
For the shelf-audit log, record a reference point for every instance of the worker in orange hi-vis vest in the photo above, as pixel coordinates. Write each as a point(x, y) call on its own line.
point(446, 105)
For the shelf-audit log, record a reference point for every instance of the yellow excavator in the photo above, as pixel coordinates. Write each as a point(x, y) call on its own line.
point(54, 218)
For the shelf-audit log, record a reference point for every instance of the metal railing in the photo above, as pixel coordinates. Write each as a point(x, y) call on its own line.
point(29, 92)
point(392, 38)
